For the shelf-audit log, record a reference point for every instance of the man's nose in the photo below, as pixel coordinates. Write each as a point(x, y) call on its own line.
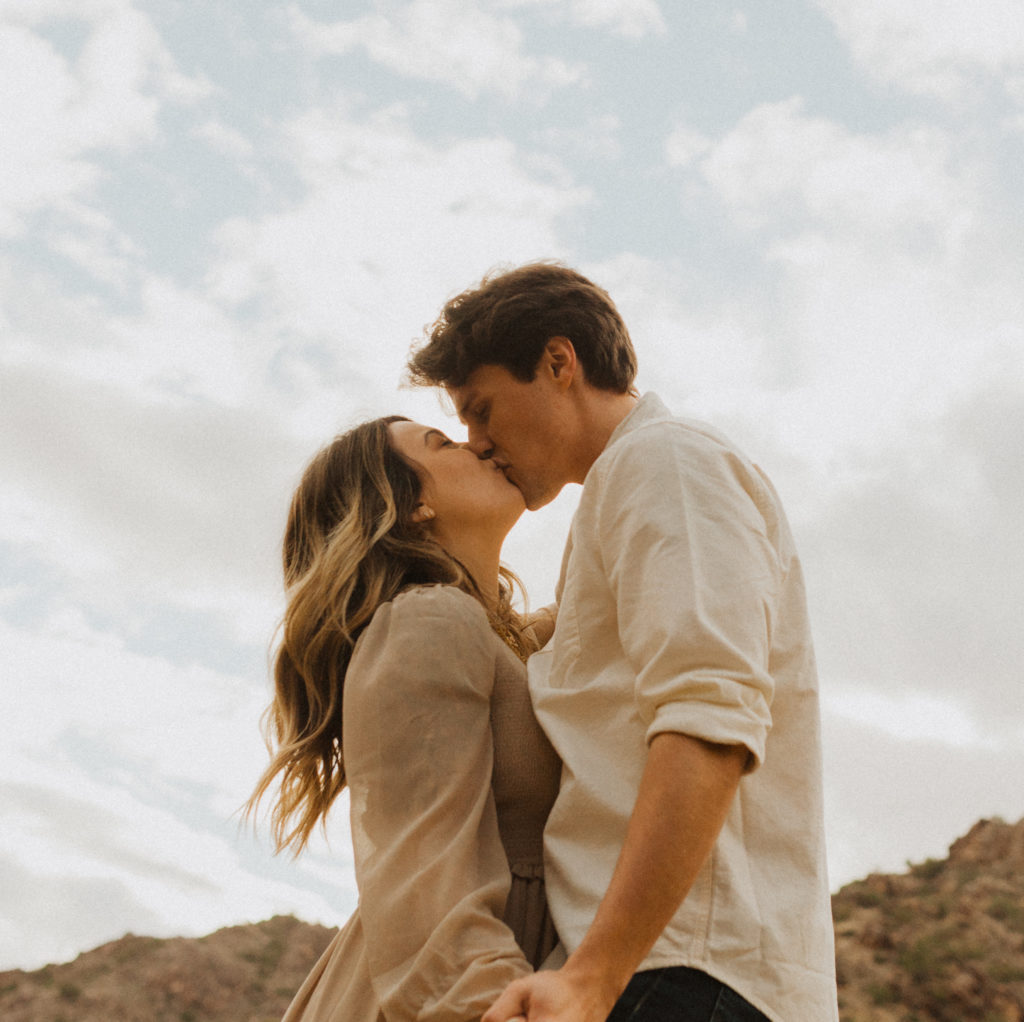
point(479, 443)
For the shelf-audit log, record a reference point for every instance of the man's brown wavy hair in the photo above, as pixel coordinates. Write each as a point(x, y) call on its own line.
point(508, 319)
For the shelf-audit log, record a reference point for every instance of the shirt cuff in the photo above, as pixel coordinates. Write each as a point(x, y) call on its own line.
point(746, 725)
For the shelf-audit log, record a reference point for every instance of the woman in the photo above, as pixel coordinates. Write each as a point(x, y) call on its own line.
point(401, 674)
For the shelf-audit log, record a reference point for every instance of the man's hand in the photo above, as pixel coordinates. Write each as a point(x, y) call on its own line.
point(552, 997)
point(685, 793)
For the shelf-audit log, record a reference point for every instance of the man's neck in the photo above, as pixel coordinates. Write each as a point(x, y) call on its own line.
point(601, 413)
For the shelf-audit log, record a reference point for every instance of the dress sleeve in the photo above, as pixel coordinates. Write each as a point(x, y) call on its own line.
point(432, 873)
point(686, 529)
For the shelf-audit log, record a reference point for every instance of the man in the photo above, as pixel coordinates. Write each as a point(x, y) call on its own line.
point(684, 856)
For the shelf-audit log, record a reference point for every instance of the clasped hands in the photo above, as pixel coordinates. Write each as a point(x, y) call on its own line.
point(556, 996)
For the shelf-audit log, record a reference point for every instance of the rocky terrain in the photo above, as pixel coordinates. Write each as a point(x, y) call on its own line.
point(238, 974)
point(943, 942)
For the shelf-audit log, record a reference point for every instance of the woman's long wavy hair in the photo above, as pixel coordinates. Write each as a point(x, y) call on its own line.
point(350, 545)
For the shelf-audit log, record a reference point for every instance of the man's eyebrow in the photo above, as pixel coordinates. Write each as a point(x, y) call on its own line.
point(460, 411)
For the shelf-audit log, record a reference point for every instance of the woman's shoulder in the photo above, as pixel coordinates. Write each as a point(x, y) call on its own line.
point(426, 631)
point(430, 613)
point(435, 602)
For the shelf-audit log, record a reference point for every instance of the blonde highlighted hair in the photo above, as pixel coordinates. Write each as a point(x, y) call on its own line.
point(350, 545)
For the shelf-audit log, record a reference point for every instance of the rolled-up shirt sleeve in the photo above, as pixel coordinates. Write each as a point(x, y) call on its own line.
point(432, 873)
point(688, 550)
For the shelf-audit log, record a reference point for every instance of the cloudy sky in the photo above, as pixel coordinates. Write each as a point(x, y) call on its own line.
point(222, 225)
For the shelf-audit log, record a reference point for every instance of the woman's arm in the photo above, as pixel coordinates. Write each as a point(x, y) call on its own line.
point(432, 873)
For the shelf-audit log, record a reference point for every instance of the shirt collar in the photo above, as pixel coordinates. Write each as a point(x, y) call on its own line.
point(650, 408)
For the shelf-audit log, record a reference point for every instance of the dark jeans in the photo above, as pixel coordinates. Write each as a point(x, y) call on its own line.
point(680, 994)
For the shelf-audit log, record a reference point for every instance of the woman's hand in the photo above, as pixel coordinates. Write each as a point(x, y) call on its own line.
point(542, 623)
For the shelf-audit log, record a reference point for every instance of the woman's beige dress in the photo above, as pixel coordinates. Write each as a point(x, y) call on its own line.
point(451, 780)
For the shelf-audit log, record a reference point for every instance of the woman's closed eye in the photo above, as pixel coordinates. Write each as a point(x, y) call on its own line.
point(437, 437)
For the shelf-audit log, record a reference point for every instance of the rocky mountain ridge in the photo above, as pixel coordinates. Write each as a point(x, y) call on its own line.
point(240, 973)
point(943, 942)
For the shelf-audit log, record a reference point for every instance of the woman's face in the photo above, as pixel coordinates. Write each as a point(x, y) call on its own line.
point(463, 491)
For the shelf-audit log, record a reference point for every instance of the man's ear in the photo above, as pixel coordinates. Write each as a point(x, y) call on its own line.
point(559, 359)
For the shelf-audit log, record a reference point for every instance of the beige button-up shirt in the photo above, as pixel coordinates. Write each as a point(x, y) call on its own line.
point(681, 608)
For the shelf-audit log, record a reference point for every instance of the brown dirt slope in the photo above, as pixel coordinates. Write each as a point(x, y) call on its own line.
point(241, 974)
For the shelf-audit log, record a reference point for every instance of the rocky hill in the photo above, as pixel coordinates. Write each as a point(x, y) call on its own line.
point(238, 974)
point(943, 942)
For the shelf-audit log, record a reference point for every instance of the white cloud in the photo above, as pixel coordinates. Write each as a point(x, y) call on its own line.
point(389, 226)
point(908, 716)
point(889, 801)
point(779, 165)
point(921, 557)
point(57, 113)
point(1015, 89)
point(122, 777)
point(630, 18)
point(44, 159)
point(167, 346)
point(149, 506)
point(869, 315)
point(687, 348)
point(89, 239)
point(596, 138)
point(684, 146)
point(225, 139)
point(48, 917)
point(202, 407)
point(946, 48)
point(448, 41)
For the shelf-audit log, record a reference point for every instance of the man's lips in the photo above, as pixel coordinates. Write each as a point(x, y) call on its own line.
point(506, 471)
point(504, 468)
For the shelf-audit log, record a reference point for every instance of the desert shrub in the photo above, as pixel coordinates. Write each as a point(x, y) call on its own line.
point(69, 992)
point(1006, 972)
point(841, 911)
point(866, 898)
point(927, 870)
point(882, 993)
point(1007, 910)
point(926, 957)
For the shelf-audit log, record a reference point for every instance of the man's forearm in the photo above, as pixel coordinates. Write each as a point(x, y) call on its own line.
point(685, 794)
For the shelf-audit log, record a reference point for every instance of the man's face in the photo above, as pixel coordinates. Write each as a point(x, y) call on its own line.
point(522, 426)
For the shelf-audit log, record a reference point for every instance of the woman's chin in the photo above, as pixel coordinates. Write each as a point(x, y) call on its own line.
point(515, 512)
